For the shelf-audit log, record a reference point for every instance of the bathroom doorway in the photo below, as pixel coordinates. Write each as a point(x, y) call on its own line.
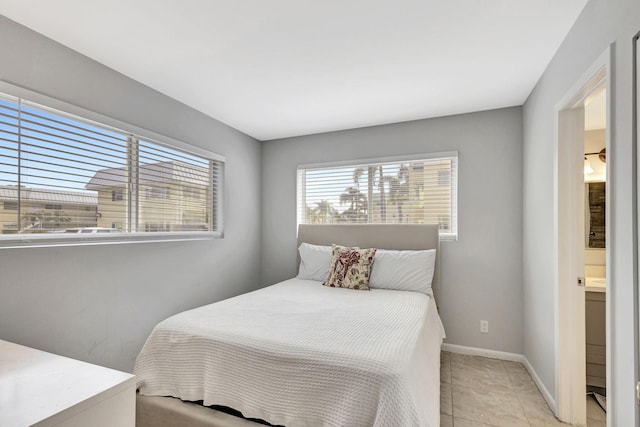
point(581, 243)
point(595, 265)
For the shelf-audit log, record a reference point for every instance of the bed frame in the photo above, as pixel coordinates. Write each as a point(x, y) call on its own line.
point(160, 411)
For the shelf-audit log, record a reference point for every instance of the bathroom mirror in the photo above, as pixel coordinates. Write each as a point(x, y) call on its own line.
point(595, 198)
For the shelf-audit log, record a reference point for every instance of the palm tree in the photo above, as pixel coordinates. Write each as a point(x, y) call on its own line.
point(323, 213)
point(370, 178)
point(383, 198)
point(399, 190)
point(357, 201)
point(357, 174)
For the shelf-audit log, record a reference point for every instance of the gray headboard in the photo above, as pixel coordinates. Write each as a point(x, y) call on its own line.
point(381, 236)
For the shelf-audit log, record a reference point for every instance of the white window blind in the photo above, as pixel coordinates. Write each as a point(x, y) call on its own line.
point(63, 174)
point(418, 191)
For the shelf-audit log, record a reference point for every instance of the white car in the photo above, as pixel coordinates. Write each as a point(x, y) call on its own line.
point(92, 230)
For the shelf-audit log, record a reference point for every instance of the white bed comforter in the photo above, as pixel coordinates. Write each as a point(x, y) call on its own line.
point(301, 354)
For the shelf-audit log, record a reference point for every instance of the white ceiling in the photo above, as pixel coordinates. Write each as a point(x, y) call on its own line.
point(282, 68)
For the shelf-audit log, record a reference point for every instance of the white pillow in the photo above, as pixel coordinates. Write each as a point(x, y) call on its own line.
point(315, 262)
point(403, 270)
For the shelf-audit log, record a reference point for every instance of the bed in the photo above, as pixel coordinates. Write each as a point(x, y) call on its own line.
point(301, 354)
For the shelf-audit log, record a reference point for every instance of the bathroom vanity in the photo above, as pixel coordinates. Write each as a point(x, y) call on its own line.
point(596, 335)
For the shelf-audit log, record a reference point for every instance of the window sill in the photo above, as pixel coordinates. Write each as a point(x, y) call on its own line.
point(448, 237)
point(41, 241)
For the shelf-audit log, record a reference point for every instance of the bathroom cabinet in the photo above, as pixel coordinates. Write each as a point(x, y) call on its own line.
point(596, 337)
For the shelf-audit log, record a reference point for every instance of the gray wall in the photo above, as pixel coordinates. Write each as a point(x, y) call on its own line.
point(99, 303)
point(482, 271)
point(601, 22)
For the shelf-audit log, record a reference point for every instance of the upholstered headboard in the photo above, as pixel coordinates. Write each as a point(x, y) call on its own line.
point(381, 236)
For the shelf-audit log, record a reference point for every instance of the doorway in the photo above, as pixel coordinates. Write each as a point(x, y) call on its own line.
point(575, 260)
point(595, 265)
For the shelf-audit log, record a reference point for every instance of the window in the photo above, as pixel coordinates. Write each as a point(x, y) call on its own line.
point(157, 193)
point(61, 172)
point(444, 178)
point(190, 193)
point(117, 195)
point(154, 228)
point(413, 190)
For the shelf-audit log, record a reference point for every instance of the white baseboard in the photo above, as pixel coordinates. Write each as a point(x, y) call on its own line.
point(484, 352)
point(536, 379)
point(503, 355)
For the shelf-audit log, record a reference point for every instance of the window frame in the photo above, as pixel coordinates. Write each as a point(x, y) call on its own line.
point(117, 195)
point(87, 116)
point(300, 192)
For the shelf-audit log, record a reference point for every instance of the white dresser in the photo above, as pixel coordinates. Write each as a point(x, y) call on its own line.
point(42, 389)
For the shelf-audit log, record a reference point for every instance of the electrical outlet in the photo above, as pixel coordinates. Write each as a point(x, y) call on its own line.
point(484, 326)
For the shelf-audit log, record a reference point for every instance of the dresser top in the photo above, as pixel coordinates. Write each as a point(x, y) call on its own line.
point(36, 385)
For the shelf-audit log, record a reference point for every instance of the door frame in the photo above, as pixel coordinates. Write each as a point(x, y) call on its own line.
point(570, 353)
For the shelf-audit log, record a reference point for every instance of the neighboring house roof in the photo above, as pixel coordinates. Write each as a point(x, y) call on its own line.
point(10, 192)
point(151, 174)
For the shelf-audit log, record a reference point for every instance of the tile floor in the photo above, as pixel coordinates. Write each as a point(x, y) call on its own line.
point(596, 417)
point(481, 392)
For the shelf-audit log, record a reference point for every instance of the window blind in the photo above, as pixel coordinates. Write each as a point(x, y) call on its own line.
point(382, 192)
point(63, 174)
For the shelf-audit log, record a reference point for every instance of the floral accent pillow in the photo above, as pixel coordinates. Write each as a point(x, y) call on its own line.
point(350, 268)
